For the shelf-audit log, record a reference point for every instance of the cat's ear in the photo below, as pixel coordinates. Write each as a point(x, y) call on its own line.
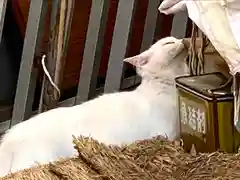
point(140, 59)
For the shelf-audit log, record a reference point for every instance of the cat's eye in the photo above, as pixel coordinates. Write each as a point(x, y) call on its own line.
point(169, 43)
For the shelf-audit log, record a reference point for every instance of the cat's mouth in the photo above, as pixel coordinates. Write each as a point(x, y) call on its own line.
point(179, 50)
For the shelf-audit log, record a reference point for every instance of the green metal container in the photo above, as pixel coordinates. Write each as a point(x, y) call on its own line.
point(206, 118)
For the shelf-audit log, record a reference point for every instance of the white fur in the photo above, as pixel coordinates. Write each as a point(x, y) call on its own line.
point(116, 118)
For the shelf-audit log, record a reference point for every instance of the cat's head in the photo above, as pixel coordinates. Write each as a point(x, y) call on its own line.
point(165, 59)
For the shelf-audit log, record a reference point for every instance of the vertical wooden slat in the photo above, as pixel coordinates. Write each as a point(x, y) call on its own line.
point(3, 6)
point(122, 30)
point(26, 80)
point(93, 49)
point(48, 95)
point(150, 24)
point(149, 29)
point(179, 24)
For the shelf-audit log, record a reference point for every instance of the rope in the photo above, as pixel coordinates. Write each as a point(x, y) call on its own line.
point(195, 60)
point(200, 54)
point(49, 77)
point(192, 52)
point(46, 74)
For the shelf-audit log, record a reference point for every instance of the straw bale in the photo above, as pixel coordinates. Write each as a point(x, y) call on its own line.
point(151, 159)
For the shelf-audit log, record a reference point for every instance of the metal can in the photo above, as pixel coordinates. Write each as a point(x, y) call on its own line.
point(205, 116)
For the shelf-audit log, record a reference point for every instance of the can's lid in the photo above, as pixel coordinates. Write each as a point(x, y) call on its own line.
point(204, 84)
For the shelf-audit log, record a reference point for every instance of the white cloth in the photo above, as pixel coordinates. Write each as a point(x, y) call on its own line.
point(218, 19)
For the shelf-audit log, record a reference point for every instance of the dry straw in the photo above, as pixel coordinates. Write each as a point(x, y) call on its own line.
point(151, 159)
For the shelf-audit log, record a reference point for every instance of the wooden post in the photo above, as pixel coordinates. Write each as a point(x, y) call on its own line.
point(49, 100)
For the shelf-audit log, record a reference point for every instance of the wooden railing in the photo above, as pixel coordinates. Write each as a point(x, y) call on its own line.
point(24, 97)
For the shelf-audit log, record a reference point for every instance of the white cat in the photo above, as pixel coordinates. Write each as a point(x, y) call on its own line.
point(116, 118)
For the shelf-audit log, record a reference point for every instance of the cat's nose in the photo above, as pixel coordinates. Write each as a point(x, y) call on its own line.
point(181, 44)
point(182, 41)
point(185, 41)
